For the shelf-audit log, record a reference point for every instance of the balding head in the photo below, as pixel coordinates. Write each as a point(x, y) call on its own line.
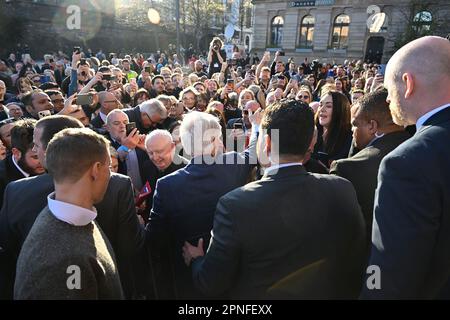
point(417, 78)
point(160, 148)
point(107, 101)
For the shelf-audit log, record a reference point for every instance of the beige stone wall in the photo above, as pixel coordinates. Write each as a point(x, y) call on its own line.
point(324, 17)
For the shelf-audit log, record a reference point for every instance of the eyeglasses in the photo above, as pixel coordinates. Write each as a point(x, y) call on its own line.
point(150, 119)
point(304, 97)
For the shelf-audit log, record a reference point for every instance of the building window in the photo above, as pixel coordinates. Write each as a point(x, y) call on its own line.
point(248, 17)
point(306, 32)
point(339, 39)
point(276, 32)
point(422, 22)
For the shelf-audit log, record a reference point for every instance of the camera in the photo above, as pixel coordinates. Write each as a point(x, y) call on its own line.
point(281, 53)
point(237, 125)
point(77, 50)
point(108, 77)
point(85, 99)
point(45, 78)
point(216, 47)
point(130, 127)
point(44, 113)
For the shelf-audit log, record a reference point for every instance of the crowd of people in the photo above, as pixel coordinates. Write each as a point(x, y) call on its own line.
point(238, 178)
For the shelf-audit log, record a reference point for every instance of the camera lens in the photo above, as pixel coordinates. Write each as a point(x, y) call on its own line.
point(83, 73)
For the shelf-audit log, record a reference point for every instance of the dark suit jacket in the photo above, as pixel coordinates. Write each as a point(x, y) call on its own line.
point(269, 231)
point(150, 173)
point(8, 173)
point(134, 115)
point(97, 122)
point(362, 171)
point(142, 157)
point(411, 229)
point(184, 205)
point(25, 199)
point(340, 153)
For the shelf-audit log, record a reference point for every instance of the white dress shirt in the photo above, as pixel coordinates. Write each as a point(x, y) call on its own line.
point(70, 213)
point(275, 167)
point(25, 174)
point(103, 116)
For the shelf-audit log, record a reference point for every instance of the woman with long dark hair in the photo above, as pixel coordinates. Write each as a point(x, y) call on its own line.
point(334, 128)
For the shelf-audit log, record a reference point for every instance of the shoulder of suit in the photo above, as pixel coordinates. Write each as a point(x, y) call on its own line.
point(119, 179)
point(419, 145)
point(3, 165)
point(328, 180)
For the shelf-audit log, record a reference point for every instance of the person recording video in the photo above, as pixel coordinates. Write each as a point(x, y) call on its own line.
point(216, 56)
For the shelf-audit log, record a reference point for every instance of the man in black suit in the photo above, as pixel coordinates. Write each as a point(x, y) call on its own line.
point(291, 234)
point(23, 161)
point(108, 102)
point(162, 159)
point(129, 147)
point(411, 229)
point(25, 199)
point(148, 116)
point(375, 134)
point(184, 201)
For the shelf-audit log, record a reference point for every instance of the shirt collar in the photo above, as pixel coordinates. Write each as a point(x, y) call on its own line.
point(428, 115)
point(272, 169)
point(375, 139)
point(103, 116)
point(70, 213)
point(25, 174)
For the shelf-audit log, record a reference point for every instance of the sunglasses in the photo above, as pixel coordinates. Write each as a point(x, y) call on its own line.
point(304, 97)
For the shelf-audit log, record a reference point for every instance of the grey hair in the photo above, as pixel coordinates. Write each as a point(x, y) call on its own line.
point(111, 114)
point(198, 131)
point(153, 106)
point(158, 133)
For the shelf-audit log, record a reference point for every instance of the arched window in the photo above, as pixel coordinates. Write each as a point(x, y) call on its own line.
point(422, 22)
point(339, 39)
point(276, 31)
point(306, 32)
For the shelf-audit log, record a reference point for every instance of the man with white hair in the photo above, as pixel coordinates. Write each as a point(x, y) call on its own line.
point(163, 159)
point(148, 116)
point(411, 229)
point(185, 201)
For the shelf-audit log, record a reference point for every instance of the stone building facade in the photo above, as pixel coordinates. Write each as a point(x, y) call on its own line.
point(335, 30)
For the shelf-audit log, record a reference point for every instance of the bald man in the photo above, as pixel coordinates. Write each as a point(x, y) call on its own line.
point(411, 229)
point(163, 158)
point(108, 102)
